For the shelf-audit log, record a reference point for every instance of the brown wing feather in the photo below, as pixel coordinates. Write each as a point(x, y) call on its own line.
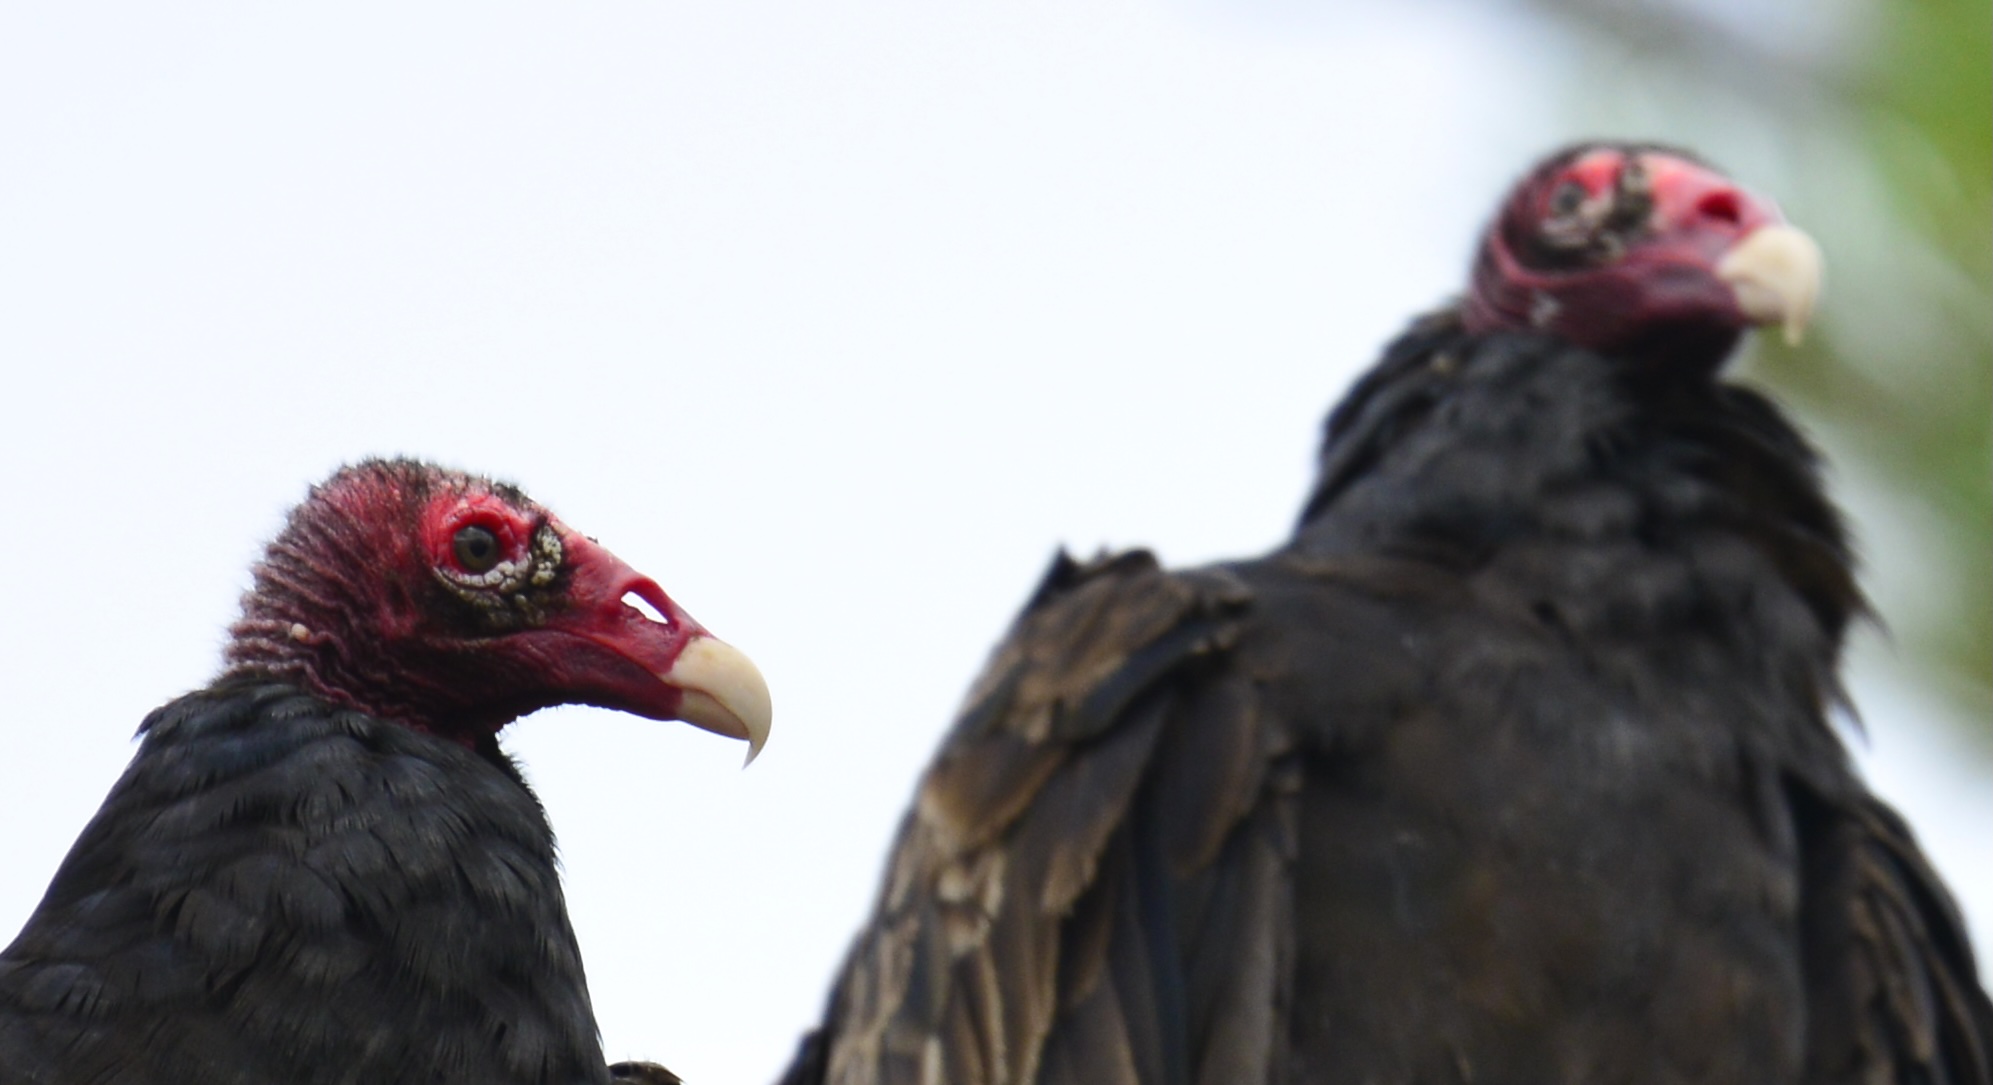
point(1002, 950)
point(1936, 1011)
point(1895, 993)
point(1239, 972)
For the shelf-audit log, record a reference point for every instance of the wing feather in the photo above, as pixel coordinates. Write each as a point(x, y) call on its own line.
point(1896, 994)
point(1025, 931)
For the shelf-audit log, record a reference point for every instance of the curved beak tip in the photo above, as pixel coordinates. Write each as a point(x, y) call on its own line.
point(1776, 273)
point(722, 691)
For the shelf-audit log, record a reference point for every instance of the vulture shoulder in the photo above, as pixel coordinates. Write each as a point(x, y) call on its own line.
point(278, 889)
point(1098, 863)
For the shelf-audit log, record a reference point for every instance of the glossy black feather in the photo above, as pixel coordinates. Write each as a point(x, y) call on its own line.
point(1512, 766)
point(279, 890)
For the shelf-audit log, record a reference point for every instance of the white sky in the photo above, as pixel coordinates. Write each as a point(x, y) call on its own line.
point(835, 319)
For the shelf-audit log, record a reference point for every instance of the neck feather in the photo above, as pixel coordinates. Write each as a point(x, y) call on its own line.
point(1634, 500)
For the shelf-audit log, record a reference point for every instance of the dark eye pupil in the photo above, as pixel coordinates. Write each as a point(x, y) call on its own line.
point(477, 548)
point(1567, 198)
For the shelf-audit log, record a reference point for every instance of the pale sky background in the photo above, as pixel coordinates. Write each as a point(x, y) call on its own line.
point(834, 318)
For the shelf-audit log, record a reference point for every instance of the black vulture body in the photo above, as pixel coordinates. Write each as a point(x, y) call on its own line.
point(1513, 765)
point(279, 890)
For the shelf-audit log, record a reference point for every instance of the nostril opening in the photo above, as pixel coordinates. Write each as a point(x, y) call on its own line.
point(643, 607)
point(1721, 205)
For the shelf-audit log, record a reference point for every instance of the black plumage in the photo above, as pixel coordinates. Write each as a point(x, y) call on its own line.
point(1513, 765)
point(643, 1073)
point(281, 890)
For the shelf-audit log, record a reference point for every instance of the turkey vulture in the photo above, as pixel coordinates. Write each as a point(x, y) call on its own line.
point(1512, 765)
point(321, 868)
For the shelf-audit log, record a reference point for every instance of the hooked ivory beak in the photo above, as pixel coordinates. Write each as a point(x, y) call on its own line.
point(1775, 273)
point(722, 692)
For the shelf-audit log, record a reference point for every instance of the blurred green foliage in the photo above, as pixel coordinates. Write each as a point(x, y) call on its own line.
point(1924, 103)
point(1876, 125)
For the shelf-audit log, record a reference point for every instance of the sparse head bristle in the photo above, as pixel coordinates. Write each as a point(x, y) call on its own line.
point(454, 605)
point(347, 584)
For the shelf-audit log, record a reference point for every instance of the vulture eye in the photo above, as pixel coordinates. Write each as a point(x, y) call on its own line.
point(476, 548)
point(1568, 198)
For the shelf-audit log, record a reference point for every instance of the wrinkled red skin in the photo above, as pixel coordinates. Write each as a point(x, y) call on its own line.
point(351, 602)
point(1652, 295)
